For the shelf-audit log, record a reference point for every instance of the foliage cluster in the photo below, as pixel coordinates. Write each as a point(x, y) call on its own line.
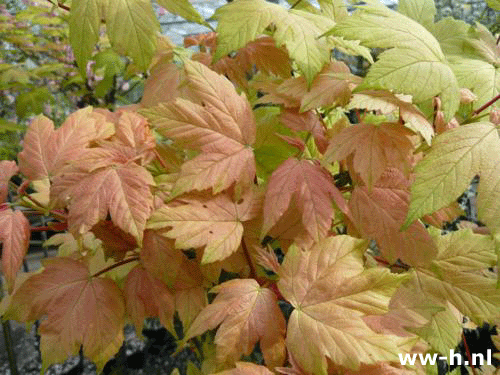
point(262, 195)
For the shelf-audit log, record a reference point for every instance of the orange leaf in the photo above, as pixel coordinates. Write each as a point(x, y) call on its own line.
point(115, 241)
point(46, 150)
point(246, 313)
point(331, 87)
point(80, 310)
point(147, 296)
point(214, 222)
point(216, 121)
point(246, 368)
point(160, 257)
point(15, 237)
point(123, 191)
point(313, 192)
point(331, 292)
point(8, 168)
point(162, 75)
point(306, 121)
point(379, 214)
point(374, 148)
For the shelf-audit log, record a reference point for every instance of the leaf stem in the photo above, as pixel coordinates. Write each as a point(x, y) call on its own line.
point(253, 273)
point(467, 352)
point(160, 159)
point(60, 5)
point(295, 4)
point(115, 265)
point(486, 105)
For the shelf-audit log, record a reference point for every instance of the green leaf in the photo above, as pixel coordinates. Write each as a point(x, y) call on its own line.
point(132, 28)
point(415, 65)
point(493, 4)
point(422, 11)
point(184, 9)
point(456, 157)
point(112, 65)
point(474, 57)
point(243, 21)
point(84, 24)
point(32, 102)
point(7, 126)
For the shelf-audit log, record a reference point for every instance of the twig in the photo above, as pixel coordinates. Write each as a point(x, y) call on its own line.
point(253, 273)
point(115, 265)
point(467, 352)
point(486, 105)
point(160, 159)
point(60, 5)
point(295, 4)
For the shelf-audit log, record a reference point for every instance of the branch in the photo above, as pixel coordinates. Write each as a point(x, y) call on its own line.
point(60, 5)
point(115, 265)
point(486, 105)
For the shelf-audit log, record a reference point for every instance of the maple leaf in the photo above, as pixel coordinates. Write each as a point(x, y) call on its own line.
point(313, 192)
point(414, 56)
point(453, 275)
point(15, 236)
point(84, 27)
point(184, 9)
point(297, 30)
point(331, 87)
point(80, 310)
point(214, 222)
point(115, 241)
point(161, 76)
point(147, 296)
point(474, 57)
point(331, 292)
point(421, 11)
point(306, 121)
point(378, 213)
point(374, 148)
point(216, 121)
point(246, 313)
point(335, 9)
point(123, 191)
point(246, 368)
point(132, 26)
point(46, 150)
point(456, 156)
point(133, 141)
point(160, 257)
point(8, 168)
point(387, 102)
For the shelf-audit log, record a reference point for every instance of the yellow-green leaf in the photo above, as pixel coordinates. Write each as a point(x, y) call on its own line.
point(455, 158)
point(132, 28)
point(84, 23)
point(414, 64)
point(243, 21)
point(184, 9)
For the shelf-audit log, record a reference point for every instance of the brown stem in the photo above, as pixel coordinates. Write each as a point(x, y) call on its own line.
point(253, 273)
point(486, 105)
point(469, 356)
point(115, 265)
point(60, 5)
point(296, 3)
point(160, 159)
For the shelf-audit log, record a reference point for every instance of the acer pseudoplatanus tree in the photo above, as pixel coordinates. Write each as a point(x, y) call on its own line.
point(240, 199)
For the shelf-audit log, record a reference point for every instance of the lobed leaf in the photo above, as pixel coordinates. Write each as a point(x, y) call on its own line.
point(331, 292)
point(80, 310)
point(414, 64)
point(15, 236)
